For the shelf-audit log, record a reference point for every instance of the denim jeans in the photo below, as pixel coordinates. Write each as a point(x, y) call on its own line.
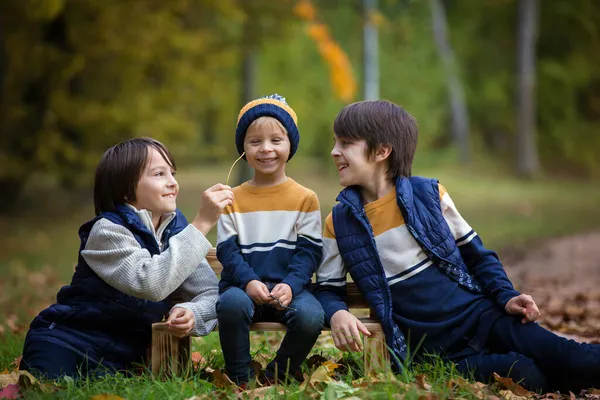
point(51, 361)
point(236, 311)
point(532, 355)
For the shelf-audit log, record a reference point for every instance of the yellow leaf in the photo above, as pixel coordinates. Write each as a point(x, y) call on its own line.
point(23, 378)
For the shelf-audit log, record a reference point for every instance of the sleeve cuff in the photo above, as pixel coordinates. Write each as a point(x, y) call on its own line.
point(504, 297)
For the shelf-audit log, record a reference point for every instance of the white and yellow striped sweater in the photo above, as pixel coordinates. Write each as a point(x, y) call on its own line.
point(271, 234)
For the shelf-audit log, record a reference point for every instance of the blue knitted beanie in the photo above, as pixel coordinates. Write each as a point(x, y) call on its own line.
point(268, 106)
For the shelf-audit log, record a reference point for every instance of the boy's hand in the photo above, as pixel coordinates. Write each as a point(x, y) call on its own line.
point(524, 305)
point(345, 329)
point(214, 200)
point(258, 292)
point(283, 292)
point(180, 321)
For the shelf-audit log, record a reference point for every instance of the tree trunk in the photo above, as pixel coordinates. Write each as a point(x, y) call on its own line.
point(248, 89)
point(370, 52)
point(456, 97)
point(527, 155)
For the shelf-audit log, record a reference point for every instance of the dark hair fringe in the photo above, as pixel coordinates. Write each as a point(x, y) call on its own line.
point(381, 122)
point(120, 169)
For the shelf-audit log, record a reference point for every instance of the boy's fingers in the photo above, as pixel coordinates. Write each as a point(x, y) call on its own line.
point(363, 328)
point(217, 187)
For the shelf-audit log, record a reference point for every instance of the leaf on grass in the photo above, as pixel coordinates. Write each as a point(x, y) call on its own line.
point(261, 392)
point(509, 395)
point(422, 383)
point(197, 360)
point(106, 396)
point(22, 378)
point(219, 379)
point(16, 363)
point(319, 377)
point(509, 384)
point(10, 392)
point(262, 359)
point(478, 389)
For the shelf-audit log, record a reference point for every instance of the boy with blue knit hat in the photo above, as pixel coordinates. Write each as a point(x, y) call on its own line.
point(269, 243)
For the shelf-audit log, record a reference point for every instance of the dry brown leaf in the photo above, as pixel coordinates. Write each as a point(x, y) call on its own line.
point(261, 392)
point(428, 396)
point(22, 378)
point(262, 359)
point(16, 363)
point(106, 396)
point(422, 383)
point(509, 395)
point(509, 384)
point(197, 359)
point(319, 376)
point(220, 379)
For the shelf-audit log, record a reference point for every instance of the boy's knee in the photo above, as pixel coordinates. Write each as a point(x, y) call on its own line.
point(527, 373)
point(309, 320)
point(234, 305)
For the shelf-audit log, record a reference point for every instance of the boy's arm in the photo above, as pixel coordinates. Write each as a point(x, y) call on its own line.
point(200, 293)
point(481, 262)
point(235, 268)
point(114, 254)
point(331, 275)
point(309, 247)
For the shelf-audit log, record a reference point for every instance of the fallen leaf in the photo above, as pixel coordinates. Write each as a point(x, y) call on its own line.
point(261, 392)
point(422, 383)
point(509, 395)
point(509, 384)
point(16, 363)
point(197, 359)
point(22, 378)
point(106, 396)
point(219, 379)
point(10, 392)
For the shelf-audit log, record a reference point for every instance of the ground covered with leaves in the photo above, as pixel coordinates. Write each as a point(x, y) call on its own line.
point(561, 274)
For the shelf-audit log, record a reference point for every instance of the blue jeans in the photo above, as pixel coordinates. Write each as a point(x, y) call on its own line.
point(51, 361)
point(532, 355)
point(236, 311)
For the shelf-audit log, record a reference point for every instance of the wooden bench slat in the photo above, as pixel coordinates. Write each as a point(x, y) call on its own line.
point(371, 324)
point(354, 298)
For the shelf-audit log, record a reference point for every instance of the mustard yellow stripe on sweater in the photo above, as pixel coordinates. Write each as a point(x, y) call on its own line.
point(287, 196)
point(382, 213)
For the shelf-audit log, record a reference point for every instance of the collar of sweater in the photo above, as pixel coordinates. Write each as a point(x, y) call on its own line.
point(146, 217)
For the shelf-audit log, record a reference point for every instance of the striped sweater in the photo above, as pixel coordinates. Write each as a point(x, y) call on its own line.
point(270, 234)
point(426, 303)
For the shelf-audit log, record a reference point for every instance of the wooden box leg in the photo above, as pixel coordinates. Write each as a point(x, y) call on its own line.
point(376, 356)
point(170, 355)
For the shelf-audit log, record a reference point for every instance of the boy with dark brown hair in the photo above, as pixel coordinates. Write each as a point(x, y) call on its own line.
point(424, 270)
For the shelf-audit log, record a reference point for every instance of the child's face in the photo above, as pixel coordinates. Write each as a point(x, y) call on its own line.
point(267, 150)
point(157, 188)
point(353, 165)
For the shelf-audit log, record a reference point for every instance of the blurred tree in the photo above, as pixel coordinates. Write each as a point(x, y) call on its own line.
point(82, 75)
point(527, 154)
point(459, 115)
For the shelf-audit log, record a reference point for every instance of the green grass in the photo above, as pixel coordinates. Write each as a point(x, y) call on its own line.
point(38, 250)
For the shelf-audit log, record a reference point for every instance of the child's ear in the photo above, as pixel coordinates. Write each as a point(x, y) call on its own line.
point(383, 152)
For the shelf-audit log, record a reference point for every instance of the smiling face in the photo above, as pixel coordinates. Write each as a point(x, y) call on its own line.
point(267, 148)
point(157, 188)
point(353, 165)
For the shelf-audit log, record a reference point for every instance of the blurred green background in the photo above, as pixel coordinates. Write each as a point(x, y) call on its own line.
point(507, 99)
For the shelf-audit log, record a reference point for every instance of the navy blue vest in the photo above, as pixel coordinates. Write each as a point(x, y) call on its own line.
point(95, 314)
point(419, 201)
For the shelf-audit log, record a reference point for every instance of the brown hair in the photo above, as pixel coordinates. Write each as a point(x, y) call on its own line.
point(119, 171)
point(381, 122)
